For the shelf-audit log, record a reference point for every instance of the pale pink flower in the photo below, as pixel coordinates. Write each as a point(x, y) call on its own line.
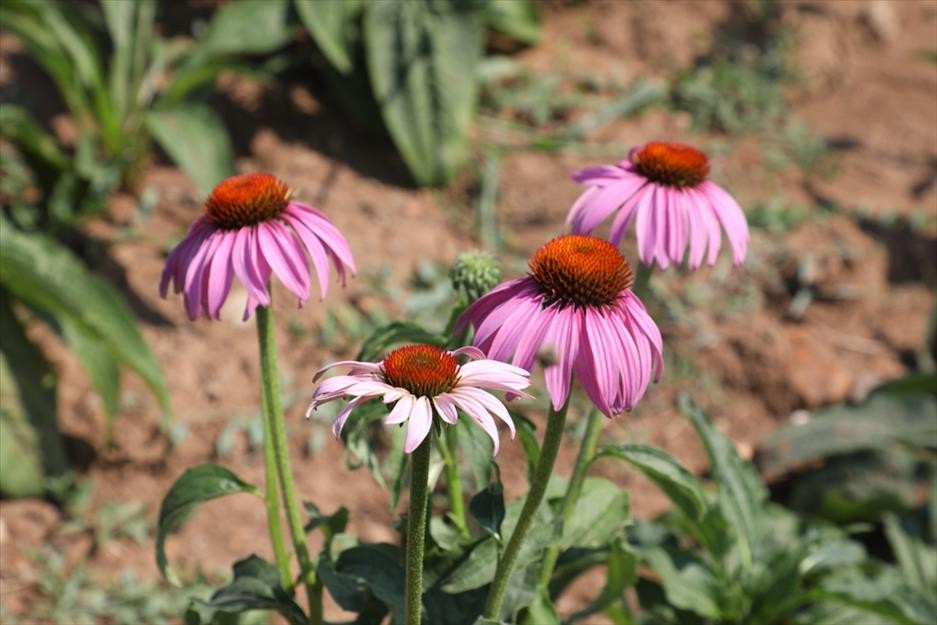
point(252, 229)
point(422, 381)
point(663, 188)
point(577, 311)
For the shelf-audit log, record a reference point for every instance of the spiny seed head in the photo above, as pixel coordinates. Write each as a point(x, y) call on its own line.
point(671, 164)
point(424, 370)
point(246, 200)
point(476, 273)
point(580, 270)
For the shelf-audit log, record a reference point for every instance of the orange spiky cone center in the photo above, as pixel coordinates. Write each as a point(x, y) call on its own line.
point(424, 370)
point(671, 164)
point(247, 200)
point(580, 270)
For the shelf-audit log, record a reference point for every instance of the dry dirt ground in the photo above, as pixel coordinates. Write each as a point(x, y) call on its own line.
point(863, 86)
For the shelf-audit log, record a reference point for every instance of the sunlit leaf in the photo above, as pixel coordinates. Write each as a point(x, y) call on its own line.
point(332, 24)
point(395, 333)
point(248, 26)
point(421, 60)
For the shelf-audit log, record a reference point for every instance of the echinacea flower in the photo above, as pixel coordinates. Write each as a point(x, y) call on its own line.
point(576, 305)
point(422, 381)
point(251, 229)
point(663, 188)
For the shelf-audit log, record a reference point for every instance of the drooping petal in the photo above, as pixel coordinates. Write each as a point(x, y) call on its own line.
point(220, 276)
point(731, 216)
point(483, 306)
point(603, 203)
point(356, 365)
point(343, 414)
point(489, 402)
point(476, 411)
point(401, 410)
point(446, 408)
point(563, 335)
point(418, 425)
point(320, 260)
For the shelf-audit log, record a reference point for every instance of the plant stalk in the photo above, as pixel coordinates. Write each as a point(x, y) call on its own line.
point(272, 497)
point(416, 529)
point(448, 444)
point(573, 491)
point(552, 437)
point(273, 414)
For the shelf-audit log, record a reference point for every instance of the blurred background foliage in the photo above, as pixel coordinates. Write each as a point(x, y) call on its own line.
point(837, 508)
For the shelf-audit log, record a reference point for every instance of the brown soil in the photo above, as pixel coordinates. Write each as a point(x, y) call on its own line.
point(750, 366)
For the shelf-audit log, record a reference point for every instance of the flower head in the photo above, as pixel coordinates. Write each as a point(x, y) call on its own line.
point(252, 228)
point(422, 381)
point(664, 189)
point(577, 303)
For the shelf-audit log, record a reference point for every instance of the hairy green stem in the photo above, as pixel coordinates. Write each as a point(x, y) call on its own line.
point(272, 498)
point(573, 491)
point(273, 414)
point(448, 446)
point(552, 437)
point(416, 530)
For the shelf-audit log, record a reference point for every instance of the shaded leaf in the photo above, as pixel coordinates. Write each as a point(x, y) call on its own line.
point(21, 128)
point(516, 18)
point(487, 508)
point(601, 512)
point(541, 610)
point(46, 275)
point(256, 586)
point(688, 584)
point(248, 27)
point(195, 486)
point(621, 573)
point(395, 333)
point(196, 140)
point(98, 363)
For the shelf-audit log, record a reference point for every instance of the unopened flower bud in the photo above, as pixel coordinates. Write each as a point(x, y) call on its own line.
point(476, 273)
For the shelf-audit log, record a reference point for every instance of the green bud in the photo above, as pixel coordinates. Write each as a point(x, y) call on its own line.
point(475, 273)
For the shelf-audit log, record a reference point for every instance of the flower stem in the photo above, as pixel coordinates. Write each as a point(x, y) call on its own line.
point(556, 421)
point(448, 444)
point(272, 498)
point(416, 530)
point(573, 491)
point(273, 415)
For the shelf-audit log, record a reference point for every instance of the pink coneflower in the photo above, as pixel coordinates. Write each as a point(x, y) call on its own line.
point(577, 303)
point(663, 187)
point(425, 380)
point(252, 229)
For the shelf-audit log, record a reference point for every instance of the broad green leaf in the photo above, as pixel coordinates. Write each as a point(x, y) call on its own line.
point(741, 491)
point(46, 275)
point(688, 584)
point(487, 508)
point(885, 418)
point(32, 447)
point(256, 586)
point(196, 139)
point(883, 594)
point(621, 573)
point(422, 61)
point(98, 363)
point(18, 125)
point(920, 383)
point(332, 24)
point(248, 27)
point(680, 486)
point(395, 333)
point(476, 570)
point(515, 18)
point(602, 511)
point(330, 524)
point(195, 486)
point(477, 451)
point(380, 567)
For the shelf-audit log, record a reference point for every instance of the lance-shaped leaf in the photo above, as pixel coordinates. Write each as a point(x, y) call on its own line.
point(195, 486)
point(332, 25)
point(487, 508)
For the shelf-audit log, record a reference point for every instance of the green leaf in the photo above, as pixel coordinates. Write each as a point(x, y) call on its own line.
point(487, 508)
point(32, 447)
point(680, 486)
point(331, 524)
point(917, 559)
point(885, 418)
point(195, 486)
point(688, 584)
point(98, 363)
point(248, 27)
point(516, 18)
point(541, 611)
point(741, 491)
point(194, 137)
point(46, 275)
point(422, 60)
point(19, 126)
point(921, 383)
point(621, 573)
point(476, 570)
point(383, 338)
point(256, 586)
point(378, 566)
point(332, 25)
point(602, 511)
